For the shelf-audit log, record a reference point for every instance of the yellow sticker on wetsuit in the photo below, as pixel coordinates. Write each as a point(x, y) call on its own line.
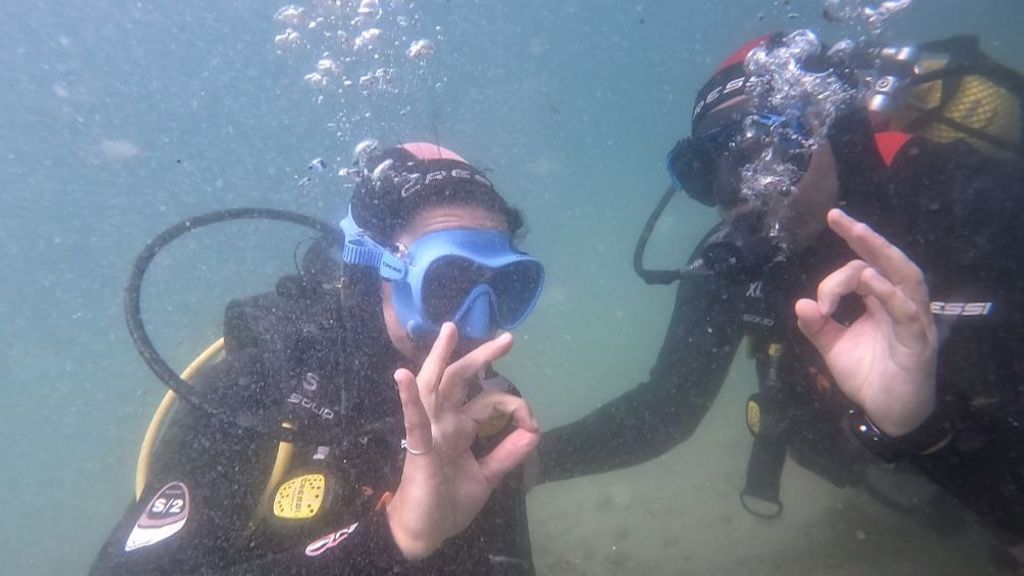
point(300, 497)
point(753, 417)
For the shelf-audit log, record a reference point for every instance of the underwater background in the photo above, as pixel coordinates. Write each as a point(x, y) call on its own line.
point(118, 119)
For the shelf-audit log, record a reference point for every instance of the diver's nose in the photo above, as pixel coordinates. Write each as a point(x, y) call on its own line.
point(475, 323)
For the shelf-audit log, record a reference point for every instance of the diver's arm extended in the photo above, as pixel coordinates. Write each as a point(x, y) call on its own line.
point(658, 414)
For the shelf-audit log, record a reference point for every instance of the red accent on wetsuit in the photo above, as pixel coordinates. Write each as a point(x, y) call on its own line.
point(890, 143)
point(741, 54)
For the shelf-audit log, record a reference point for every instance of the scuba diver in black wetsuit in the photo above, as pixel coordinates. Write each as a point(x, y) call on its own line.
point(859, 357)
point(431, 275)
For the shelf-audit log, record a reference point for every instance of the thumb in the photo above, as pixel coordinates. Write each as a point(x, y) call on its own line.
point(818, 327)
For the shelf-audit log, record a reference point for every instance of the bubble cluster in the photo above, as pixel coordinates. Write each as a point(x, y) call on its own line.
point(793, 78)
point(793, 81)
point(354, 44)
point(367, 62)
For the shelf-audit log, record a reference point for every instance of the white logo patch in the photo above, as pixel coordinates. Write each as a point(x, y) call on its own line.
point(321, 545)
point(164, 517)
point(961, 308)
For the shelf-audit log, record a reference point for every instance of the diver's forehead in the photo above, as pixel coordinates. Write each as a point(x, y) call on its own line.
point(729, 112)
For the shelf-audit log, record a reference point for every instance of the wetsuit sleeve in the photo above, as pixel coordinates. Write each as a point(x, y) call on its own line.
point(658, 414)
point(980, 372)
point(195, 515)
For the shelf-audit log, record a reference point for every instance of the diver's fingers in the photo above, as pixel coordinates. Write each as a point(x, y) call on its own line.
point(838, 284)
point(508, 454)
point(437, 360)
point(908, 323)
point(817, 326)
point(458, 376)
point(418, 432)
point(491, 403)
point(886, 258)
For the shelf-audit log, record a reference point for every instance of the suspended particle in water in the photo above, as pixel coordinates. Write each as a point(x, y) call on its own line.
point(305, 182)
point(317, 165)
point(288, 39)
point(367, 39)
point(420, 49)
point(291, 14)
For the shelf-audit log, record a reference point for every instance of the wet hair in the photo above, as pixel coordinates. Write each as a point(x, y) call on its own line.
point(398, 183)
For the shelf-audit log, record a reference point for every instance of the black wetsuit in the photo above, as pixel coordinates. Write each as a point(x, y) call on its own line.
point(959, 215)
point(289, 360)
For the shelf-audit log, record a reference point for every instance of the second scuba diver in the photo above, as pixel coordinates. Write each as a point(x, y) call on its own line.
point(368, 478)
point(860, 358)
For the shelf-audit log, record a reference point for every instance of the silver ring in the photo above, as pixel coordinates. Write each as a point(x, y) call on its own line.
point(414, 452)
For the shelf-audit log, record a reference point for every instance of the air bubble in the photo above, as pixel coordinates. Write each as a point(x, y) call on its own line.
point(315, 80)
point(870, 12)
point(288, 39)
point(291, 14)
point(367, 39)
point(368, 7)
point(328, 67)
point(420, 49)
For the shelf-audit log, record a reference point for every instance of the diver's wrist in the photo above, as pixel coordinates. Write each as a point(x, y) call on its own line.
point(904, 421)
point(412, 547)
point(928, 436)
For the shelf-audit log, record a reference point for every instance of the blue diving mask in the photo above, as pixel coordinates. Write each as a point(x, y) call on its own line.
point(738, 138)
point(474, 278)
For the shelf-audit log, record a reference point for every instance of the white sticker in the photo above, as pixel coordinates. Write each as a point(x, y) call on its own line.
point(321, 545)
point(163, 517)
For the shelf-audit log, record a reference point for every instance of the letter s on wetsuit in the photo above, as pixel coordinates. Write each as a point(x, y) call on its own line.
point(202, 510)
point(959, 215)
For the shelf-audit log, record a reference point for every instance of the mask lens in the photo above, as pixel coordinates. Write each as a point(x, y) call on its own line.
point(447, 283)
point(516, 287)
point(692, 168)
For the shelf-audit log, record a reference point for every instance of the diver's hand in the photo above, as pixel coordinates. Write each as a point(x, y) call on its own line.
point(885, 361)
point(444, 488)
